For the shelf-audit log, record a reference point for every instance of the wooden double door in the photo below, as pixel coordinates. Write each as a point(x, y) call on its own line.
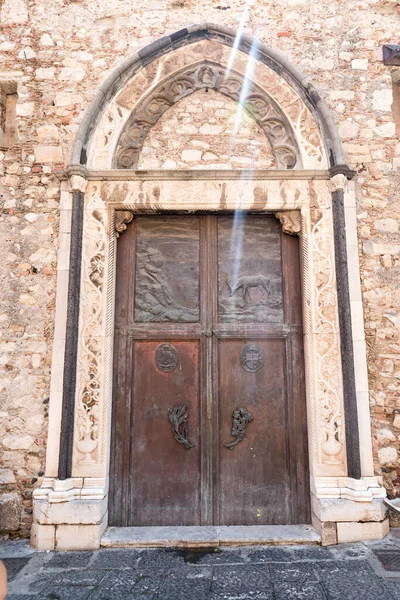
point(209, 411)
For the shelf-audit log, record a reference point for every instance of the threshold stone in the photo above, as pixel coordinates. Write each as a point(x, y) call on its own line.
point(181, 537)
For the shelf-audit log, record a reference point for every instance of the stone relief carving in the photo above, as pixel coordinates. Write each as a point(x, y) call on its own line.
point(328, 348)
point(211, 76)
point(290, 221)
point(122, 218)
point(337, 182)
point(88, 410)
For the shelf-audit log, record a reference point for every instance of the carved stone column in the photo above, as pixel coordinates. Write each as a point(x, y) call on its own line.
point(337, 185)
point(78, 186)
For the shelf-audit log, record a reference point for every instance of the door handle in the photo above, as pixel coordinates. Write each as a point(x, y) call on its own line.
point(178, 417)
point(241, 417)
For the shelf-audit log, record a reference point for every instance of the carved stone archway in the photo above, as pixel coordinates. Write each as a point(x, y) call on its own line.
point(206, 75)
point(71, 505)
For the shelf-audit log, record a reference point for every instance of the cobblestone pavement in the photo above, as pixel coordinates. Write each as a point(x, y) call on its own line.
point(247, 573)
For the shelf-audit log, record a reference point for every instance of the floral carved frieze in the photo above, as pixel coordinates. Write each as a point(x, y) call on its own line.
point(111, 206)
point(90, 347)
point(207, 75)
point(327, 351)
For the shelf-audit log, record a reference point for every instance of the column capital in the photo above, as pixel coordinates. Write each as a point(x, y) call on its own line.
point(78, 177)
point(337, 182)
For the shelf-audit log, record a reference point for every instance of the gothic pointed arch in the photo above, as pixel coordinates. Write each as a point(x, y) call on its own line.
point(301, 130)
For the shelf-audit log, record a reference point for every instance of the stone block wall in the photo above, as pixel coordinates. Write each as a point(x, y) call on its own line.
point(56, 54)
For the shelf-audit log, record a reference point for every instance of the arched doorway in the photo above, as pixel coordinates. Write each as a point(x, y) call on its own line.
point(305, 191)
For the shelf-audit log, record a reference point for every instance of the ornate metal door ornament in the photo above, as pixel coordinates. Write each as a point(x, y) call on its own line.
point(166, 358)
point(252, 357)
point(178, 416)
point(240, 419)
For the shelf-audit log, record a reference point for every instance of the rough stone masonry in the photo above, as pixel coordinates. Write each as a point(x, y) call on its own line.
point(54, 56)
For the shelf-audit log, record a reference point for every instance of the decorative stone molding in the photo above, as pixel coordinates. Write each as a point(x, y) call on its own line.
point(327, 351)
point(56, 491)
point(78, 183)
point(100, 152)
point(207, 75)
point(90, 348)
point(358, 490)
point(290, 221)
point(322, 347)
point(77, 176)
point(337, 182)
point(122, 218)
point(125, 175)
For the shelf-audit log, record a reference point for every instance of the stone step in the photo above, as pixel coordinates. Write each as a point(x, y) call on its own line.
point(186, 537)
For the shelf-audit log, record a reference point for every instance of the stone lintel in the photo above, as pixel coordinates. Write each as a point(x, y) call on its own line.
point(207, 174)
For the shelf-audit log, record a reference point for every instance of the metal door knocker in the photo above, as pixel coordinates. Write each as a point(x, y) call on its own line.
point(241, 417)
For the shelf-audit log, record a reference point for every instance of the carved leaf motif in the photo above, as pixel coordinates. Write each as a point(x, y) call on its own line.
point(122, 218)
point(178, 416)
point(90, 351)
point(290, 221)
point(328, 356)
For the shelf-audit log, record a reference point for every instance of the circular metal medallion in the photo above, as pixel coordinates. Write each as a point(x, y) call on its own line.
point(252, 357)
point(166, 358)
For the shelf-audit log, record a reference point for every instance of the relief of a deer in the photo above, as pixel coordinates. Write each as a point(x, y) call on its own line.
point(246, 282)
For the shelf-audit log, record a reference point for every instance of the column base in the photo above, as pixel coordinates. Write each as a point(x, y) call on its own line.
point(72, 514)
point(349, 510)
point(69, 514)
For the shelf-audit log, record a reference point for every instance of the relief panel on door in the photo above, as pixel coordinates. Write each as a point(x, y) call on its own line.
point(254, 477)
point(167, 269)
point(166, 442)
point(249, 270)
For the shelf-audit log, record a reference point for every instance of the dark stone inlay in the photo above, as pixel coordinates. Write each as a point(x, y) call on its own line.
point(71, 340)
point(346, 337)
point(179, 34)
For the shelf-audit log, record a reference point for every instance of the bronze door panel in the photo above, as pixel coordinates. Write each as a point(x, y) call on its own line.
point(249, 270)
point(167, 269)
